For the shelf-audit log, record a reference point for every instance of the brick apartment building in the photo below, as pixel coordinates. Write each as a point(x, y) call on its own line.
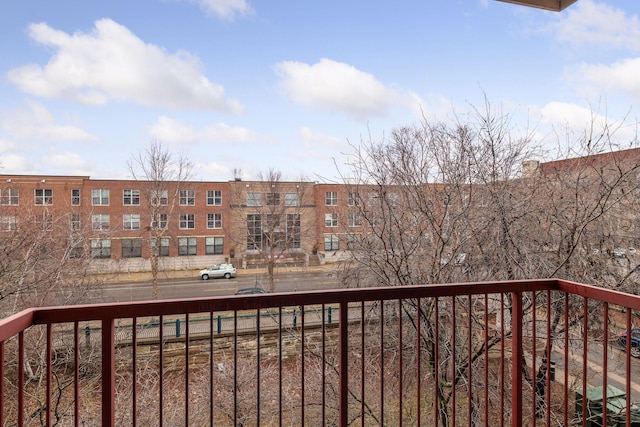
point(117, 222)
point(195, 224)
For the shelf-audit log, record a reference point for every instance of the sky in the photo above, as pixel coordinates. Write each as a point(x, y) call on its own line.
point(295, 86)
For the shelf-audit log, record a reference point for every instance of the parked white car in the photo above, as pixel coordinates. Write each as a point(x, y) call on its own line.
point(219, 270)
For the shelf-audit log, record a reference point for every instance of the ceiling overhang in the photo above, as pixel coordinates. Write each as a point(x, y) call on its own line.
point(554, 5)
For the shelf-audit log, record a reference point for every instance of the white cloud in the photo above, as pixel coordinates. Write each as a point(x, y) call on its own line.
point(314, 139)
point(224, 9)
point(622, 76)
point(13, 163)
point(112, 63)
point(171, 130)
point(591, 23)
point(68, 161)
point(36, 122)
point(331, 85)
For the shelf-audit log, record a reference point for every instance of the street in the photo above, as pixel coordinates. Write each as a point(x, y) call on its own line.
point(194, 287)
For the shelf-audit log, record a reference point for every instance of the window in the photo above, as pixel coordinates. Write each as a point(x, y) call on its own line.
point(75, 221)
point(100, 221)
point(76, 246)
point(331, 198)
point(101, 248)
point(213, 245)
point(44, 221)
point(9, 196)
point(214, 197)
point(75, 197)
point(354, 241)
point(291, 199)
point(187, 197)
point(131, 221)
point(354, 199)
point(254, 232)
point(254, 199)
point(331, 219)
point(293, 231)
point(273, 199)
point(131, 248)
point(187, 221)
point(214, 220)
point(131, 197)
point(8, 222)
point(100, 196)
point(186, 246)
point(355, 220)
point(160, 221)
point(163, 250)
point(159, 197)
point(331, 242)
point(43, 196)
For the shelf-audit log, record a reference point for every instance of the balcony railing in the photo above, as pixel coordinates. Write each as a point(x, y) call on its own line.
point(537, 352)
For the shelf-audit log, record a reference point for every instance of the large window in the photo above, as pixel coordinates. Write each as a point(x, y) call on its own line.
point(131, 248)
point(160, 221)
point(331, 198)
point(159, 197)
point(186, 246)
point(163, 250)
point(293, 231)
point(214, 197)
point(187, 197)
point(100, 221)
point(131, 197)
point(100, 196)
point(331, 219)
point(75, 197)
point(331, 242)
point(354, 199)
point(9, 196)
point(44, 221)
point(75, 221)
point(254, 199)
point(355, 219)
point(291, 199)
point(43, 196)
point(8, 222)
point(100, 248)
point(254, 232)
point(213, 245)
point(214, 220)
point(273, 199)
point(131, 221)
point(187, 221)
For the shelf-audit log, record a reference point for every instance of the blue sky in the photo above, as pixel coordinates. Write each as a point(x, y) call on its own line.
point(291, 85)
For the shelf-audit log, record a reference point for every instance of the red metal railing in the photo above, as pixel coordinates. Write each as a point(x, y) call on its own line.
point(517, 353)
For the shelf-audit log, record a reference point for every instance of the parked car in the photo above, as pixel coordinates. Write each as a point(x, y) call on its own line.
point(219, 270)
point(635, 341)
point(249, 291)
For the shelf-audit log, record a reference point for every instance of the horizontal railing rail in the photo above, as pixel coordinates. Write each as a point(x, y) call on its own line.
point(530, 352)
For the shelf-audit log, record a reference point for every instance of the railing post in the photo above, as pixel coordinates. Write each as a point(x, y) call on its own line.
point(108, 373)
point(344, 364)
point(516, 359)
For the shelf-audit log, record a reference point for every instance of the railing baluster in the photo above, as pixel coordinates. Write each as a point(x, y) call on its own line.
point(76, 375)
point(49, 377)
point(108, 372)
point(161, 368)
point(134, 371)
point(516, 359)
point(344, 364)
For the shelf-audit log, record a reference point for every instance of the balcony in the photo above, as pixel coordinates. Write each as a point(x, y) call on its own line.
point(502, 353)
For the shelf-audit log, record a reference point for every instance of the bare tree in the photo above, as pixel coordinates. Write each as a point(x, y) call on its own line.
point(162, 175)
point(449, 203)
point(275, 227)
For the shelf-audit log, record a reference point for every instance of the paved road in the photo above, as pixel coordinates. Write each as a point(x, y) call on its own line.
point(193, 287)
